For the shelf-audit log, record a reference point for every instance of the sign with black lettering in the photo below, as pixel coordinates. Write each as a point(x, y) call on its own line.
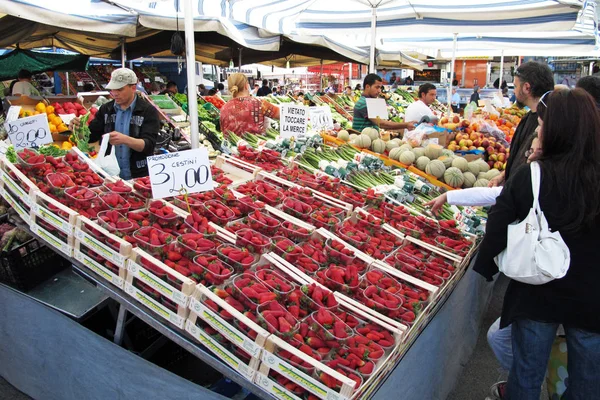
point(320, 118)
point(174, 174)
point(29, 132)
point(293, 121)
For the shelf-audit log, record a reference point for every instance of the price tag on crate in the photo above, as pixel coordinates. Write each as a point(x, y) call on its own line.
point(173, 174)
point(30, 132)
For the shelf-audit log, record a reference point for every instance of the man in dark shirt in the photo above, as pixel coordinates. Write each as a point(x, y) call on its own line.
point(532, 81)
point(264, 90)
point(372, 85)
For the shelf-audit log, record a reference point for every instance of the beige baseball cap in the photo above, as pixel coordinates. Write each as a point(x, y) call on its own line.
point(121, 77)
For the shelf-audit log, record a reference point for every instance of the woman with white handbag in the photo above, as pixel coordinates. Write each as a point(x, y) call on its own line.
point(543, 233)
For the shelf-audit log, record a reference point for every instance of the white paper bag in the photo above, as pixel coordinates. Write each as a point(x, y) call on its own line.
point(108, 162)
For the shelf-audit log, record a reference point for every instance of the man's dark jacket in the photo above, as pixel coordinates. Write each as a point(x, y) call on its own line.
point(144, 125)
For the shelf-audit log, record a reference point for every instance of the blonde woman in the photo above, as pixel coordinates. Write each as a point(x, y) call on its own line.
point(245, 113)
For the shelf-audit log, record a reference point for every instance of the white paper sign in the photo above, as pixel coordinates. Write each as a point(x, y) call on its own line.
point(158, 79)
point(66, 118)
point(79, 83)
point(377, 108)
point(174, 174)
point(13, 113)
point(29, 132)
point(146, 80)
point(320, 118)
point(293, 120)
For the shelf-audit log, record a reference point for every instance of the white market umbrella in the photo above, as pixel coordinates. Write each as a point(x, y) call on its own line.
point(392, 18)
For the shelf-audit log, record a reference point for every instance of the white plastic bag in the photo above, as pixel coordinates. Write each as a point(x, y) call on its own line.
point(108, 162)
point(416, 136)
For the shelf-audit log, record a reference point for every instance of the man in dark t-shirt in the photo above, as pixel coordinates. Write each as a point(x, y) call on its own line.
point(265, 90)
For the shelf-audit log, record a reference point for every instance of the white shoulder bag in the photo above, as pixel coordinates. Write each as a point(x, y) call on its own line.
point(533, 254)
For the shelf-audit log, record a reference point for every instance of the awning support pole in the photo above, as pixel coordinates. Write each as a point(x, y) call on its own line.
point(190, 62)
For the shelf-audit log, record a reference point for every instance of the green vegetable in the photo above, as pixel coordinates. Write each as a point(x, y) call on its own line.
point(81, 134)
point(51, 150)
point(11, 154)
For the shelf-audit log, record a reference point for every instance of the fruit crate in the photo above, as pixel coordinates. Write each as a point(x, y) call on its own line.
point(161, 289)
point(236, 170)
point(82, 158)
point(101, 251)
point(52, 212)
point(19, 186)
point(215, 324)
point(22, 210)
point(27, 265)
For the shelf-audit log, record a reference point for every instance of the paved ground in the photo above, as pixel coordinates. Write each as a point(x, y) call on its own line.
point(8, 392)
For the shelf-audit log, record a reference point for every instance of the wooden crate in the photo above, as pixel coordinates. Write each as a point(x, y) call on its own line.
point(178, 296)
point(14, 180)
point(253, 347)
point(53, 237)
point(236, 170)
point(270, 361)
point(22, 210)
point(92, 250)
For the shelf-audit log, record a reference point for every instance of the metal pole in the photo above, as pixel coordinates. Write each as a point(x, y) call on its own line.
point(190, 62)
point(350, 74)
point(373, 39)
point(240, 60)
point(449, 90)
point(123, 52)
point(501, 70)
point(321, 77)
point(464, 71)
point(68, 86)
point(591, 71)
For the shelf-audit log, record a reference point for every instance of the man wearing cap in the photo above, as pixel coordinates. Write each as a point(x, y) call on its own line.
point(131, 122)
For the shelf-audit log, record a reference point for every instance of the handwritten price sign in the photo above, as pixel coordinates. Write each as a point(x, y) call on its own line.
point(29, 132)
point(320, 118)
point(173, 174)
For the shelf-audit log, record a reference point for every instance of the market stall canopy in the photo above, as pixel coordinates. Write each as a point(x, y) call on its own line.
point(12, 62)
point(581, 40)
point(209, 16)
point(77, 15)
point(396, 17)
point(214, 48)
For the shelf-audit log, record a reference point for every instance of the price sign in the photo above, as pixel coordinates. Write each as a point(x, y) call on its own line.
point(320, 118)
point(158, 79)
point(147, 80)
point(377, 108)
point(293, 120)
point(13, 113)
point(173, 174)
point(29, 132)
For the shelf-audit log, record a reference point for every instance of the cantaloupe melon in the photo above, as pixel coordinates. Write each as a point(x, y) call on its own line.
point(391, 144)
point(461, 164)
point(395, 153)
point(481, 183)
point(353, 137)
point(469, 179)
point(378, 146)
point(372, 133)
point(446, 160)
point(422, 162)
point(433, 151)
point(435, 168)
point(474, 167)
point(407, 158)
point(483, 166)
point(343, 135)
point(406, 146)
point(418, 152)
point(448, 153)
point(363, 141)
point(492, 173)
point(454, 177)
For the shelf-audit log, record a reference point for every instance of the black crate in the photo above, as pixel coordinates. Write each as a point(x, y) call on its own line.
point(29, 264)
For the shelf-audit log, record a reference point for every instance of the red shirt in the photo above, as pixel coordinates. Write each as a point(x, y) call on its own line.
point(246, 114)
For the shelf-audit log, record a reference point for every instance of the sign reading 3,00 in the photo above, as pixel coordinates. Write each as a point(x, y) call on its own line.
point(175, 174)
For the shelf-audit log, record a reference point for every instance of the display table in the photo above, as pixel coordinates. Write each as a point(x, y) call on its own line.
point(46, 355)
